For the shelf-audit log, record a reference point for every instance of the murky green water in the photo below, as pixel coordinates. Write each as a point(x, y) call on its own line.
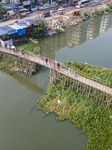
point(88, 42)
point(22, 125)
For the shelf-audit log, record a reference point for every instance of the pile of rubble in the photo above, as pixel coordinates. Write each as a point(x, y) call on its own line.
point(65, 21)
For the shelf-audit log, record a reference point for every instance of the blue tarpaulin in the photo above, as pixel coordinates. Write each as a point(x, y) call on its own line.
point(20, 30)
point(2, 32)
point(14, 8)
point(31, 21)
point(10, 31)
point(23, 24)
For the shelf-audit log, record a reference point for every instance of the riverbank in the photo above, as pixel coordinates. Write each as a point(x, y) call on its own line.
point(16, 64)
point(81, 110)
point(64, 21)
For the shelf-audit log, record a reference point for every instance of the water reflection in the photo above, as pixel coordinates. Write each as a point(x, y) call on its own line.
point(76, 35)
point(29, 83)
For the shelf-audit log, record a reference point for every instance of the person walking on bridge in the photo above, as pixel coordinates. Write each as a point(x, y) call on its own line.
point(75, 73)
point(50, 62)
point(69, 69)
point(58, 65)
point(46, 60)
point(61, 68)
point(54, 65)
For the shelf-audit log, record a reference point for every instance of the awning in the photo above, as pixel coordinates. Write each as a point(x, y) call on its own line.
point(11, 12)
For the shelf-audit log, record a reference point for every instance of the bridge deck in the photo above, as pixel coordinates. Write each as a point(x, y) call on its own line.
point(84, 80)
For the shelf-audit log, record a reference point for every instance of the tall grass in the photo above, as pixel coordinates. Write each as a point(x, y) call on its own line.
point(30, 47)
point(99, 72)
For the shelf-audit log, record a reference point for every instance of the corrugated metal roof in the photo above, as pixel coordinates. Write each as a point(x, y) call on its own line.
point(9, 30)
point(2, 32)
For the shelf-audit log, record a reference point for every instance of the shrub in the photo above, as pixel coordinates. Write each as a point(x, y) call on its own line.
point(107, 9)
point(102, 11)
point(85, 13)
point(58, 31)
point(110, 6)
point(96, 12)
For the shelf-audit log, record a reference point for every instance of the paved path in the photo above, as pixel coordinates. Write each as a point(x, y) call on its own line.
point(79, 78)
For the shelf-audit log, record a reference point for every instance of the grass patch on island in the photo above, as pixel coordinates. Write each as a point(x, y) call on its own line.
point(92, 72)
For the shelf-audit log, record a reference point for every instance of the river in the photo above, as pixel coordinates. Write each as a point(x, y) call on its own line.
point(22, 125)
point(88, 42)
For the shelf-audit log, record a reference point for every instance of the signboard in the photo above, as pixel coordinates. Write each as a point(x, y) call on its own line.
point(14, 8)
point(26, 3)
point(45, 6)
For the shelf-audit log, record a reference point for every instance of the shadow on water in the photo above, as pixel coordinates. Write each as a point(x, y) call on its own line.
point(30, 83)
point(32, 110)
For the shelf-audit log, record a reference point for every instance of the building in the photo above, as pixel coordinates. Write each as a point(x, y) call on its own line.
point(106, 22)
point(93, 28)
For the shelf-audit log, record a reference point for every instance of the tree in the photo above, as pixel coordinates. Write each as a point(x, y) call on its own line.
point(39, 30)
point(2, 11)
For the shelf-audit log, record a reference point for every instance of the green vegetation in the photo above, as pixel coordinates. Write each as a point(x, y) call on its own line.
point(30, 47)
point(80, 16)
point(107, 9)
point(85, 13)
point(110, 6)
point(58, 31)
point(96, 12)
point(2, 11)
point(83, 112)
point(101, 11)
point(40, 21)
point(3, 65)
point(39, 30)
point(92, 71)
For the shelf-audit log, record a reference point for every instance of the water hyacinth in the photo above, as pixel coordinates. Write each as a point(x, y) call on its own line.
point(83, 112)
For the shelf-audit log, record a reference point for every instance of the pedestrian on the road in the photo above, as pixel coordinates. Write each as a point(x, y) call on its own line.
point(6, 46)
point(69, 69)
point(46, 60)
point(58, 65)
point(61, 68)
point(75, 73)
point(22, 52)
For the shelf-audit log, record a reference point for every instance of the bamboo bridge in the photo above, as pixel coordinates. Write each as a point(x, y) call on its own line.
point(85, 82)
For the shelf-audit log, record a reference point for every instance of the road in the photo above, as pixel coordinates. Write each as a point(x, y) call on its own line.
point(68, 10)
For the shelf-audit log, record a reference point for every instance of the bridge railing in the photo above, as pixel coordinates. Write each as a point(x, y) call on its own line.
point(94, 78)
point(81, 73)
